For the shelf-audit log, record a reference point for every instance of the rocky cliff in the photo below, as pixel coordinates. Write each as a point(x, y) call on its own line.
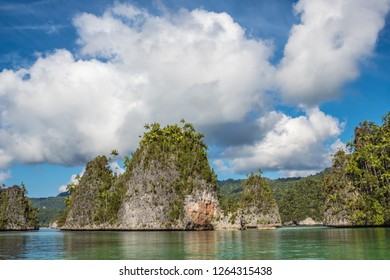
point(91, 204)
point(168, 185)
point(16, 212)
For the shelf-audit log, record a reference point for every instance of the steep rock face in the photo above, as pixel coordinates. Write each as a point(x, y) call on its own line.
point(258, 206)
point(15, 210)
point(201, 210)
point(92, 201)
point(169, 183)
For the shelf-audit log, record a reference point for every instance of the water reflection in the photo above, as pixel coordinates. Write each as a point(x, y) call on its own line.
point(280, 244)
point(43, 244)
point(12, 246)
point(359, 243)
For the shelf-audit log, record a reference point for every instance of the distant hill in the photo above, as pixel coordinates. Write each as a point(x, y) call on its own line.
point(50, 208)
point(297, 197)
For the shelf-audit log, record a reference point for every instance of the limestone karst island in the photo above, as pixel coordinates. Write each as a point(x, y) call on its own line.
point(169, 185)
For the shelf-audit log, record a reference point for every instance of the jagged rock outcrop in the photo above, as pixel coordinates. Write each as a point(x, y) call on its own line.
point(16, 212)
point(258, 207)
point(169, 183)
point(94, 199)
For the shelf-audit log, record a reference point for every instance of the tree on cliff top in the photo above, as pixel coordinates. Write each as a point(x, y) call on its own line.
point(182, 144)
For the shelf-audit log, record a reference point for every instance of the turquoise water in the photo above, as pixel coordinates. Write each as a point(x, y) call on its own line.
point(279, 244)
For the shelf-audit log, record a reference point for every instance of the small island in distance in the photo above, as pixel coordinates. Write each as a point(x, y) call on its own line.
point(169, 185)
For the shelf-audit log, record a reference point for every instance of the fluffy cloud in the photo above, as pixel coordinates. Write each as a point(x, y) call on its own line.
point(74, 179)
point(324, 51)
point(5, 175)
point(292, 146)
point(132, 68)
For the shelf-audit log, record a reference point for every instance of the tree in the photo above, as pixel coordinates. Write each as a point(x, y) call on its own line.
point(360, 181)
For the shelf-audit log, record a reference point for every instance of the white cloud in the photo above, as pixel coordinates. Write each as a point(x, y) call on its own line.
point(116, 168)
point(220, 165)
point(74, 179)
point(290, 145)
point(5, 175)
point(323, 52)
point(133, 68)
point(62, 188)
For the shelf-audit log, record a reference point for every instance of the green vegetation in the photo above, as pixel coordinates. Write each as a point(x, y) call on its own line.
point(230, 194)
point(16, 212)
point(176, 149)
point(302, 199)
point(182, 144)
point(94, 199)
point(50, 209)
point(170, 163)
point(250, 200)
point(358, 187)
point(257, 193)
point(297, 198)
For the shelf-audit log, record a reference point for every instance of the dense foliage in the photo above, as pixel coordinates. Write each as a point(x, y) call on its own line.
point(182, 144)
point(251, 200)
point(358, 188)
point(230, 194)
point(257, 193)
point(297, 198)
point(16, 212)
point(303, 199)
point(50, 209)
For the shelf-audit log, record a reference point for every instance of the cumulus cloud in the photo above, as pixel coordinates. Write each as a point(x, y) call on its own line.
point(291, 146)
point(5, 175)
point(325, 49)
point(74, 179)
point(132, 68)
point(116, 167)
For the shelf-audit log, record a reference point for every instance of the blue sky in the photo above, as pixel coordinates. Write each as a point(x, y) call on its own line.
point(277, 85)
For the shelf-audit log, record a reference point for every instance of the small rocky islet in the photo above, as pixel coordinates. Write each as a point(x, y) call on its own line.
point(168, 185)
point(16, 212)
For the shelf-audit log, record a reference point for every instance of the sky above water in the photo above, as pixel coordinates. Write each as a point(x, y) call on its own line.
point(276, 85)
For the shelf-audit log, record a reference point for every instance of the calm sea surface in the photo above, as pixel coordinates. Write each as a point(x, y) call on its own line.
point(279, 244)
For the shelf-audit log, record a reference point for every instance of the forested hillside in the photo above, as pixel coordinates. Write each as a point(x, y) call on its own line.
point(358, 186)
point(50, 208)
